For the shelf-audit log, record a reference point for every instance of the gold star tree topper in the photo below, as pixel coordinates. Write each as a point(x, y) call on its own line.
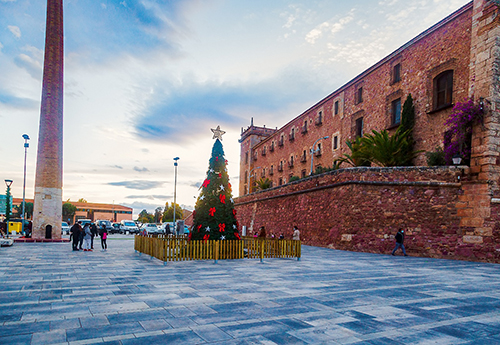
point(218, 133)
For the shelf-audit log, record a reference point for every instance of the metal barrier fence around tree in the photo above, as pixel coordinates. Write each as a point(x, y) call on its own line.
point(179, 248)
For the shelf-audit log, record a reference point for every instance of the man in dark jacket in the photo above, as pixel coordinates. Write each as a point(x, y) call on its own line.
point(93, 230)
point(75, 231)
point(400, 237)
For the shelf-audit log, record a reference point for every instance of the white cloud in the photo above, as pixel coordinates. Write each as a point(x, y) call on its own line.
point(326, 27)
point(30, 65)
point(401, 15)
point(388, 2)
point(15, 30)
point(1, 46)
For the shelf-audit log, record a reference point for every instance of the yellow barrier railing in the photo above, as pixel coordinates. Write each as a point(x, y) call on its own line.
point(179, 248)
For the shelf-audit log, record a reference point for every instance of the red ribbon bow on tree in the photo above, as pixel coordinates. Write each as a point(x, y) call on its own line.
point(222, 227)
point(211, 211)
point(206, 237)
point(206, 183)
point(222, 198)
point(237, 235)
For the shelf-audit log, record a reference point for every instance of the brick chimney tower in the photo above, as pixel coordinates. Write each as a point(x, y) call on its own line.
point(47, 213)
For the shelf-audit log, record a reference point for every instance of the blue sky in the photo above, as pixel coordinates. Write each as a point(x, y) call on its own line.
point(146, 80)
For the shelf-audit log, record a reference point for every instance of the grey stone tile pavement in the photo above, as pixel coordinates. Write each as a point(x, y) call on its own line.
point(52, 295)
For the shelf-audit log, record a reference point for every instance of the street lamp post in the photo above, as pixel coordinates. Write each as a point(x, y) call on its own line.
point(8, 183)
point(249, 178)
point(26, 145)
point(175, 187)
point(313, 151)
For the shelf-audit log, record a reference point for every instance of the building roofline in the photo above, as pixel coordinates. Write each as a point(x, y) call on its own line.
point(381, 62)
point(92, 205)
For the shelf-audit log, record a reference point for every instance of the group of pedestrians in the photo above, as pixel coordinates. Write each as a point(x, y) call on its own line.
point(262, 234)
point(83, 238)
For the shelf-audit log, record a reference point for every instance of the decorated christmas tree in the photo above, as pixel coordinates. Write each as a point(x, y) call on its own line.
point(214, 215)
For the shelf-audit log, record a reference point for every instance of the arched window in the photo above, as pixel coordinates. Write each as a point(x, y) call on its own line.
point(443, 89)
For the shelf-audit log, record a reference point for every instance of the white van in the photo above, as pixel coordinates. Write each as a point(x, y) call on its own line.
point(128, 225)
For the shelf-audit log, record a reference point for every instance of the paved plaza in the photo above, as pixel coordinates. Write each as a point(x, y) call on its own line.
point(52, 295)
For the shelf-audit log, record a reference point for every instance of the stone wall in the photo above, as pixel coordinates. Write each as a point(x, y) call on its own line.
point(361, 209)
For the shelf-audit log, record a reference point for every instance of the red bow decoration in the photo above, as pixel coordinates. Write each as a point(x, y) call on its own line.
point(206, 237)
point(217, 158)
point(199, 227)
point(206, 183)
point(220, 175)
point(222, 198)
point(222, 227)
point(234, 212)
point(237, 235)
point(211, 211)
point(229, 185)
point(189, 237)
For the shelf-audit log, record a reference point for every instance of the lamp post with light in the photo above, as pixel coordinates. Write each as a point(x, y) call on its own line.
point(8, 183)
point(26, 145)
point(175, 187)
point(313, 151)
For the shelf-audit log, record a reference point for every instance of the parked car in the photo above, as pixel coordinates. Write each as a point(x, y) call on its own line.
point(151, 228)
point(106, 223)
point(128, 225)
point(84, 221)
point(173, 228)
point(116, 228)
point(64, 228)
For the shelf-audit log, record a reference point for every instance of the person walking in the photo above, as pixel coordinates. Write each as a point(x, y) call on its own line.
point(104, 237)
point(82, 235)
point(400, 238)
point(87, 238)
point(262, 233)
point(75, 234)
point(296, 233)
point(93, 230)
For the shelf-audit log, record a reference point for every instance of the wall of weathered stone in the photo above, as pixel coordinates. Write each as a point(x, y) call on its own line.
point(361, 209)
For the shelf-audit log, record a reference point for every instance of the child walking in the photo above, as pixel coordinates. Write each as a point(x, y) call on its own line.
point(104, 237)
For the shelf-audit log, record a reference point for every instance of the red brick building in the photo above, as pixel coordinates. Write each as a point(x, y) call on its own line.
point(433, 67)
point(451, 212)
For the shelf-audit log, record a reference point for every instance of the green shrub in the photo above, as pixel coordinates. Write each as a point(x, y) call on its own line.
point(294, 178)
point(435, 158)
point(264, 183)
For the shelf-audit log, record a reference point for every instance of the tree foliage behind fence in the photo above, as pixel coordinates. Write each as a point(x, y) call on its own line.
point(179, 248)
